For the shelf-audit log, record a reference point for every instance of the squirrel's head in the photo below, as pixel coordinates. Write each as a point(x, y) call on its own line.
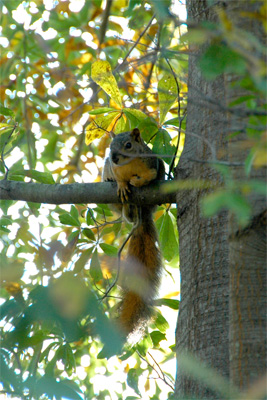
point(126, 146)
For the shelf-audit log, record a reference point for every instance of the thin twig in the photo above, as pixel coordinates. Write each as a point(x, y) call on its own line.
point(28, 131)
point(119, 262)
point(179, 117)
point(163, 377)
point(104, 24)
point(134, 45)
point(3, 151)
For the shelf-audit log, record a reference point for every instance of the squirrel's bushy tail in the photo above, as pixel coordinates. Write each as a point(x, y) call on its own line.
point(141, 274)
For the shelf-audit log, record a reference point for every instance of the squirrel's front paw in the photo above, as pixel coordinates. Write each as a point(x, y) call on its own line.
point(123, 188)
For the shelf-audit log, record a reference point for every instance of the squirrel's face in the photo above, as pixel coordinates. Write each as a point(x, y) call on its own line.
point(125, 147)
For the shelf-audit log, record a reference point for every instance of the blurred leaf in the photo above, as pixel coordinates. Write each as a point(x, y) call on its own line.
point(42, 177)
point(171, 303)
point(132, 380)
point(83, 259)
point(157, 337)
point(218, 59)
point(8, 377)
point(53, 388)
point(7, 112)
point(95, 269)
point(5, 128)
point(225, 199)
point(201, 372)
point(161, 323)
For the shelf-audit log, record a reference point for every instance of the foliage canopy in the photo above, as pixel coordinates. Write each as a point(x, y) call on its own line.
point(70, 72)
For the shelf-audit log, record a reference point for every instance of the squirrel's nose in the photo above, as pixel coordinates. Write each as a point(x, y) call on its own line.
point(115, 158)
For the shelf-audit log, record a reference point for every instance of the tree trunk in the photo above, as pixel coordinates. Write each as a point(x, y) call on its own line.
point(217, 273)
point(247, 246)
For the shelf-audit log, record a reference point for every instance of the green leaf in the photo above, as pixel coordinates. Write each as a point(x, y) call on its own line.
point(74, 212)
point(157, 337)
point(54, 389)
point(67, 219)
point(148, 128)
point(162, 9)
point(132, 380)
point(167, 92)
point(83, 259)
point(8, 376)
point(95, 269)
point(169, 244)
point(161, 323)
point(42, 177)
point(5, 221)
point(173, 121)
point(100, 209)
point(162, 145)
point(225, 199)
point(134, 116)
point(102, 110)
point(241, 100)
point(6, 111)
point(89, 219)
point(89, 233)
point(171, 303)
point(219, 59)
point(108, 249)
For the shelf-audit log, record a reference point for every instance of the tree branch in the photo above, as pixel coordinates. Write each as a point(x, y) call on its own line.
point(76, 193)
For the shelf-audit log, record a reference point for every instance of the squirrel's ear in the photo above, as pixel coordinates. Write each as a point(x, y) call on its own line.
point(136, 135)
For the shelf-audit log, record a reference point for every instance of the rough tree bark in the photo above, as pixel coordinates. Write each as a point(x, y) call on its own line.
point(221, 284)
point(247, 246)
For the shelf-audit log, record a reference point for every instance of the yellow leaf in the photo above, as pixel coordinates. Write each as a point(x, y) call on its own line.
point(102, 75)
point(260, 159)
point(5, 128)
point(3, 125)
point(119, 4)
point(167, 91)
point(120, 125)
point(84, 59)
point(147, 385)
point(98, 127)
point(13, 288)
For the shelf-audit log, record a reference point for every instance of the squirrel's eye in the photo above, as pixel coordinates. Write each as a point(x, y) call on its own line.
point(128, 145)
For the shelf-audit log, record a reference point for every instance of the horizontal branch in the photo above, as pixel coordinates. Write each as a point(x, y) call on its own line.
point(77, 193)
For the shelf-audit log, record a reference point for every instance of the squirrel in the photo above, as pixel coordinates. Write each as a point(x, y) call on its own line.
point(127, 164)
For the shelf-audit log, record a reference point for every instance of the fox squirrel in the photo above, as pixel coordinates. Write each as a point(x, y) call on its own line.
point(127, 164)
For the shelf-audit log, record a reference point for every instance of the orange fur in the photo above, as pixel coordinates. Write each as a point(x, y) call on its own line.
point(129, 163)
point(141, 275)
